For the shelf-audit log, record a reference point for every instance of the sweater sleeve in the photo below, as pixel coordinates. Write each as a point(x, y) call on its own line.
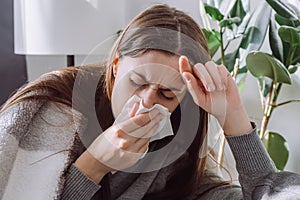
point(258, 176)
point(78, 186)
point(14, 124)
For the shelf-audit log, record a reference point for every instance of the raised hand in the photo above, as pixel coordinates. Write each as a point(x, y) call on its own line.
point(214, 90)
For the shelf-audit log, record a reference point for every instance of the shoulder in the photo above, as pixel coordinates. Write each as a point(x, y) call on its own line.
point(40, 136)
point(17, 117)
point(28, 114)
point(212, 186)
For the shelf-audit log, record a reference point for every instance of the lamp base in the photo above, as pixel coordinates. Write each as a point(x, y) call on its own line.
point(70, 60)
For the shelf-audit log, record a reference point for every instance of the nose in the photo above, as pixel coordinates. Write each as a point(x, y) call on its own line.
point(149, 95)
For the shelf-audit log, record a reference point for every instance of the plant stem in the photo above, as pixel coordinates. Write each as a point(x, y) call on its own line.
point(266, 116)
point(222, 47)
point(286, 102)
point(221, 152)
point(276, 93)
point(262, 98)
point(269, 107)
point(226, 46)
point(236, 69)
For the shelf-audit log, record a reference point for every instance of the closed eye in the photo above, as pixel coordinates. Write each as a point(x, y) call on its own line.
point(138, 83)
point(167, 95)
point(137, 80)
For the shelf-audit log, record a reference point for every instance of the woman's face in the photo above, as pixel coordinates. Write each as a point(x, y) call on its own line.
point(154, 77)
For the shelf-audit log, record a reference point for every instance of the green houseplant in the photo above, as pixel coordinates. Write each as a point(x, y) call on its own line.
point(247, 31)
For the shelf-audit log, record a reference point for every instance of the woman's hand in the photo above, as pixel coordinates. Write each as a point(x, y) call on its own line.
point(121, 145)
point(214, 90)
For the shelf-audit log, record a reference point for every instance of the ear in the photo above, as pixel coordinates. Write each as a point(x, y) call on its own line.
point(115, 67)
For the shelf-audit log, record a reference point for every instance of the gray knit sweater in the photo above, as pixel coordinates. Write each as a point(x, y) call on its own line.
point(257, 176)
point(33, 130)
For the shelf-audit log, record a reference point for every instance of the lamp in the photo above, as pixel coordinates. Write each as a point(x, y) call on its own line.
point(65, 27)
point(75, 27)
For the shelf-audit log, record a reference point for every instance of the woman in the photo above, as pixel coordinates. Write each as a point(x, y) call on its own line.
point(62, 136)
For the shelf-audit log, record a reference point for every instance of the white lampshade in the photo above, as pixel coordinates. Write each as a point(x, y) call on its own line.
point(75, 27)
point(65, 27)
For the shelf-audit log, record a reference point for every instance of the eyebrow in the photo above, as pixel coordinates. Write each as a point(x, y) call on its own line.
point(163, 89)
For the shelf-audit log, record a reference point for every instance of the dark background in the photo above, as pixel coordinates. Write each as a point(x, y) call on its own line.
point(13, 73)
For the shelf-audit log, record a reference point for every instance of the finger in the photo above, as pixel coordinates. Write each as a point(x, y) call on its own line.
point(225, 75)
point(213, 71)
point(147, 130)
point(131, 143)
point(195, 88)
point(141, 148)
point(134, 109)
point(203, 75)
point(138, 121)
point(144, 147)
point(138, 145)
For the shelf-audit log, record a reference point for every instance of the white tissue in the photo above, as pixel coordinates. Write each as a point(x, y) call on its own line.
point(164, 129)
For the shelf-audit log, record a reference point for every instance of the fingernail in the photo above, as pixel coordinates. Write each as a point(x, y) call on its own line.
point(210, 87)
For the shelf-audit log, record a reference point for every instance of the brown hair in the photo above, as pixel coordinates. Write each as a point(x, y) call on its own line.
point(132, 42)
point(136, 37)
point(58, 86)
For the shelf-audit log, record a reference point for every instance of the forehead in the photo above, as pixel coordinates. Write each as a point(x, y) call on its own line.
point(129, 63)
point(154, 67)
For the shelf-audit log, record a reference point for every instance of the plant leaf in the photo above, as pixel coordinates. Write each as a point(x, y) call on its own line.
point(264, 85)
point(290, 35)
point(275, 41)
point(295, 8)
point(241, 81)
point(255, 32)
point(293, 69)
point(229, 21)
point(263, 65)
point(286, 47)
point(290, 38)
point(229, 60)
point(283, 9)
point(277, 148)
point(238, 10)
point(213, 41)
point(242, 27)
point(296, 58)
point(214, 3)
point(204, 16)
point(213, 12)
point(285, 21)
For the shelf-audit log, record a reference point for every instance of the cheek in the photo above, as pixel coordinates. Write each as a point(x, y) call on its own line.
point(122, 91)
point(171, 105)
